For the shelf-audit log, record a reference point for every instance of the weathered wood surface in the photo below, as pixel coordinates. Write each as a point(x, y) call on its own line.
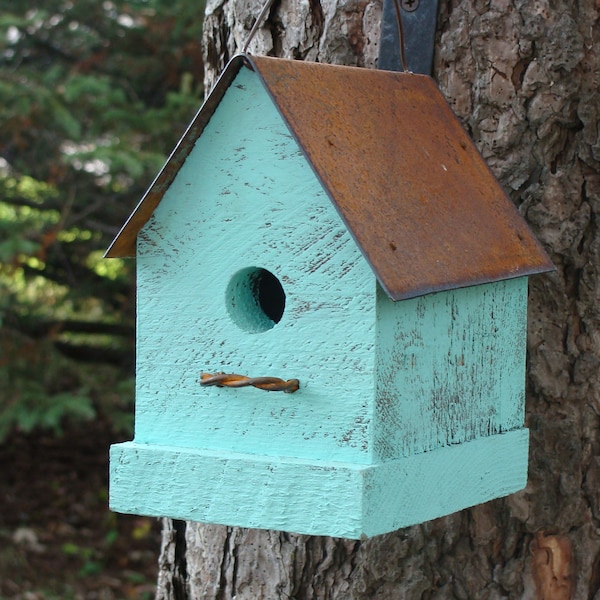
point(315, 497)
point(450, 367)
point(523, 77)
point(246, 197)
point(380, 380)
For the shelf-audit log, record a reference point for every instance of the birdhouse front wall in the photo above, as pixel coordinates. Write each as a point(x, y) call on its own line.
point(245, 203)
point(450, 367)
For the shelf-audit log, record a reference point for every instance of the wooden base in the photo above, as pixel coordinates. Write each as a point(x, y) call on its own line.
point(314, 497)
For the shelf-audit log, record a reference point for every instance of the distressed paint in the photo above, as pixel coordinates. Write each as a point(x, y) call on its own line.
point(315, 497)
point(246, 197)
point(450, 367)
point(406, 411)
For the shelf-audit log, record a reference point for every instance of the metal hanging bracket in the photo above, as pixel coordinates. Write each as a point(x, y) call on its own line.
point(418, 24)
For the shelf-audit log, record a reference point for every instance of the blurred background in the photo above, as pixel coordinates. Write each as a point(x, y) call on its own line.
point(93, 97)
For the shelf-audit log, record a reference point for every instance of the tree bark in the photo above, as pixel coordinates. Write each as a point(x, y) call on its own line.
point(523, 76)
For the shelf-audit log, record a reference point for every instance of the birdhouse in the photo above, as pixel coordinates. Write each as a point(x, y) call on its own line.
point(331, 311)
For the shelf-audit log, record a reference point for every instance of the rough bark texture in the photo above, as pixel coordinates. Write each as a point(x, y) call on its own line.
point(523, 77)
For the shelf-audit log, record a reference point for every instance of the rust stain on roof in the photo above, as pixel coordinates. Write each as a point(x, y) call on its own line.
point(406, 179)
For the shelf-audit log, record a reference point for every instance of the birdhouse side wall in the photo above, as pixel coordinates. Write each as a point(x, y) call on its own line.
point(450, 367)
point(245, 201)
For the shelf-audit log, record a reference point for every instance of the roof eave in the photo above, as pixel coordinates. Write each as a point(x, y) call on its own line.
point(124, 244)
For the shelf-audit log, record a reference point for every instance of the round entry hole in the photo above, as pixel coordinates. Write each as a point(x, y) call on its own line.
point(255, 299)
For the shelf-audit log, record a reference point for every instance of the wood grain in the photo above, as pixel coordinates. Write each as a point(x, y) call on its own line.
point(314, 497)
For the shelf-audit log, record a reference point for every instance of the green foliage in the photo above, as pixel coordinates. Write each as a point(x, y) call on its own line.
point(42, 389)
point(19, 224)
point(94, 97)
point(39, 390)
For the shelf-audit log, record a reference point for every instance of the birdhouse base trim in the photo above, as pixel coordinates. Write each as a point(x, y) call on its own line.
point(310, 496)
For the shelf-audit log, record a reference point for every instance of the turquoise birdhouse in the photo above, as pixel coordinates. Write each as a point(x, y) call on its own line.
point(331, 311)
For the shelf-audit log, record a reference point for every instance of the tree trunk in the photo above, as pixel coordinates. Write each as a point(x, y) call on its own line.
point(522, 75)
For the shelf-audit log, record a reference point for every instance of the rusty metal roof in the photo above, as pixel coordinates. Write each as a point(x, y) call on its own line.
point(405, 177)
